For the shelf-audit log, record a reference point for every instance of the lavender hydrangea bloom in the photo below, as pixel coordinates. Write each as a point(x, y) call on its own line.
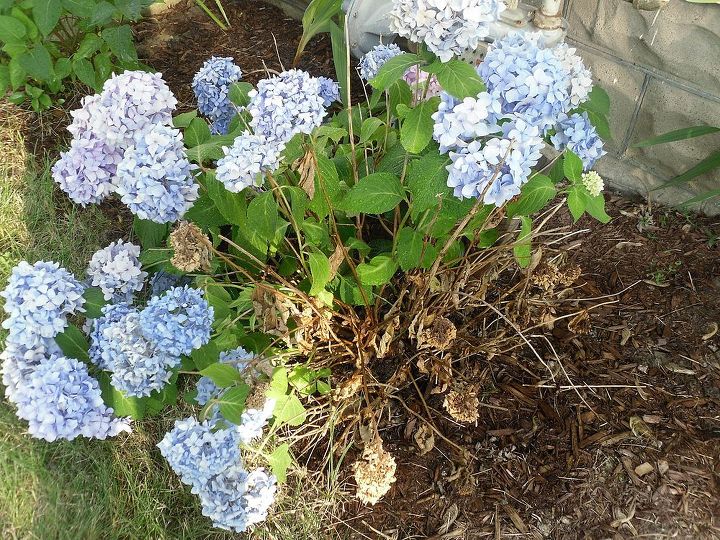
point(60, 400)
point(162, 281)
point(375, 58)
point(236, 499)
point(154, 178)
point(285, 105)
point(19, 361)
point(577, 133)
point(447, 27)
point(133, 102)
point(252, 421)
point(111, 313)
point(212, 89)
point(196, 451)
point(422, 88)
point(38, 299)
point(179, 321)
point(89, 115)
point(206, 388)
point(329, 91)
point(466, 120)
point(86, 172)
point(117, 271)
point(497, 169)
point(138, 366)
point(527, 79)
point(247, 160)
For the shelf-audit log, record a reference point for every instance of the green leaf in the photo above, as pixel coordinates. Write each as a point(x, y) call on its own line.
point(231, 205)
point(374, 194)
point(73, 343)
point(708, 164)
point(262, 213)
point(522, 248)
point(121, 404)
point(205, 214)
point(598, 101)
point(600, 122)
point(103, 67)
point(102, 14)
point(37, 63)
point(238, 94)
point(232, 402)
point(576, 201)
point(94, 302)
point(46, 14)
point(206, 355)
point(458, 78)
point(533, 196)
point(702, 197)
point(88, 46)
point(4, 79)
point(16, 73)
point(216, 296)
point(427, 181)
point(394, 69)
point(412, 251)
point(595, 206)
point(85, 72)
point(197, 133)
point(316, 19)
point(11, 29)
point(378, 271)
point(340, 58)
point(280, 461)
point(572, 166)
point(327, 186)
point(80, 8)
point(369, 127)
point(151, 234)
point(288, 409)
point(399, 93)
point(319, 270)
point(279, 380)
point(63, 68)
point(678, 135)
point(417, 127)
point(223, 375)
point(580, 201)
point(183, 120)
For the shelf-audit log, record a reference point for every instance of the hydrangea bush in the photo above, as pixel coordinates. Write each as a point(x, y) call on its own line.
point(310, 219)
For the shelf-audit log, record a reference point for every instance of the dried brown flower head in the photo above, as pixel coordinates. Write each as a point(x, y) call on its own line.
point(374, 472)
point(548, 275)
point(462, 403)
point(191, 248)
point(439, 335)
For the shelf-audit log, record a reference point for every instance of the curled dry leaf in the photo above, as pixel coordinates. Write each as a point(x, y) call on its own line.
point(425, 439)
point(640, 428)
point(712, 329)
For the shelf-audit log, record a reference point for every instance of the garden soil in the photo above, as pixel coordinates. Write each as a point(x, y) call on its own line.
point(621, 437)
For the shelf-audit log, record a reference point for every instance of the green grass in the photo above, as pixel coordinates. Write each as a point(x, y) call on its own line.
point(88, 489)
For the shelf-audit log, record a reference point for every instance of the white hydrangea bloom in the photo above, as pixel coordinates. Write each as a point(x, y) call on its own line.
point(116, 269)
point(593, 182)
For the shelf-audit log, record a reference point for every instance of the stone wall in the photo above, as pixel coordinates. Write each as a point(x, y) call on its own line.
point(662, 71)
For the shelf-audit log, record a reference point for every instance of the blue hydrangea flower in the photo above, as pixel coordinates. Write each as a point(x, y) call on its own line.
point(497, 169)
point(162, 281)
point(154, 179)
point(19, 361)
point(212, 88)
point(329, 91)
point(89, 115)
point(375, 58)
point(448, 28)
point(196, 451)
point(38, 298)
point(577, 133)
point(86, 172)
point(253, 421)
point(116, 269)
point(285, 105)
point(179, 321)
point(236, 499)
point(138, 366)
point(133, 102)
point(111, 313)
point(457, 123)
point(206, 388)
point(60, 400)
point(527, 79)
point(247, 160)
point(581, 82)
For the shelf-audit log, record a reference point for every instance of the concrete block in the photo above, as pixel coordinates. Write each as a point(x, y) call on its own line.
point(682, 39)
point(666, 108)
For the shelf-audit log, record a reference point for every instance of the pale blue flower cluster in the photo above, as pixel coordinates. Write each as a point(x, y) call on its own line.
point(123, 143)
point(206, 388)
point(60, 400)
point(116, 269)
point(179, 321)
point(99, 346)
point(375, 58)
point(577, 133)
point(55, 394)
point(285, 105)
point(448, 27)
point(329, 91)
point(247, 161)
point(208, 459)
point(155, 179)
point(459, 122)
point(253, 421)
point(212, 89)
point(38, 299)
